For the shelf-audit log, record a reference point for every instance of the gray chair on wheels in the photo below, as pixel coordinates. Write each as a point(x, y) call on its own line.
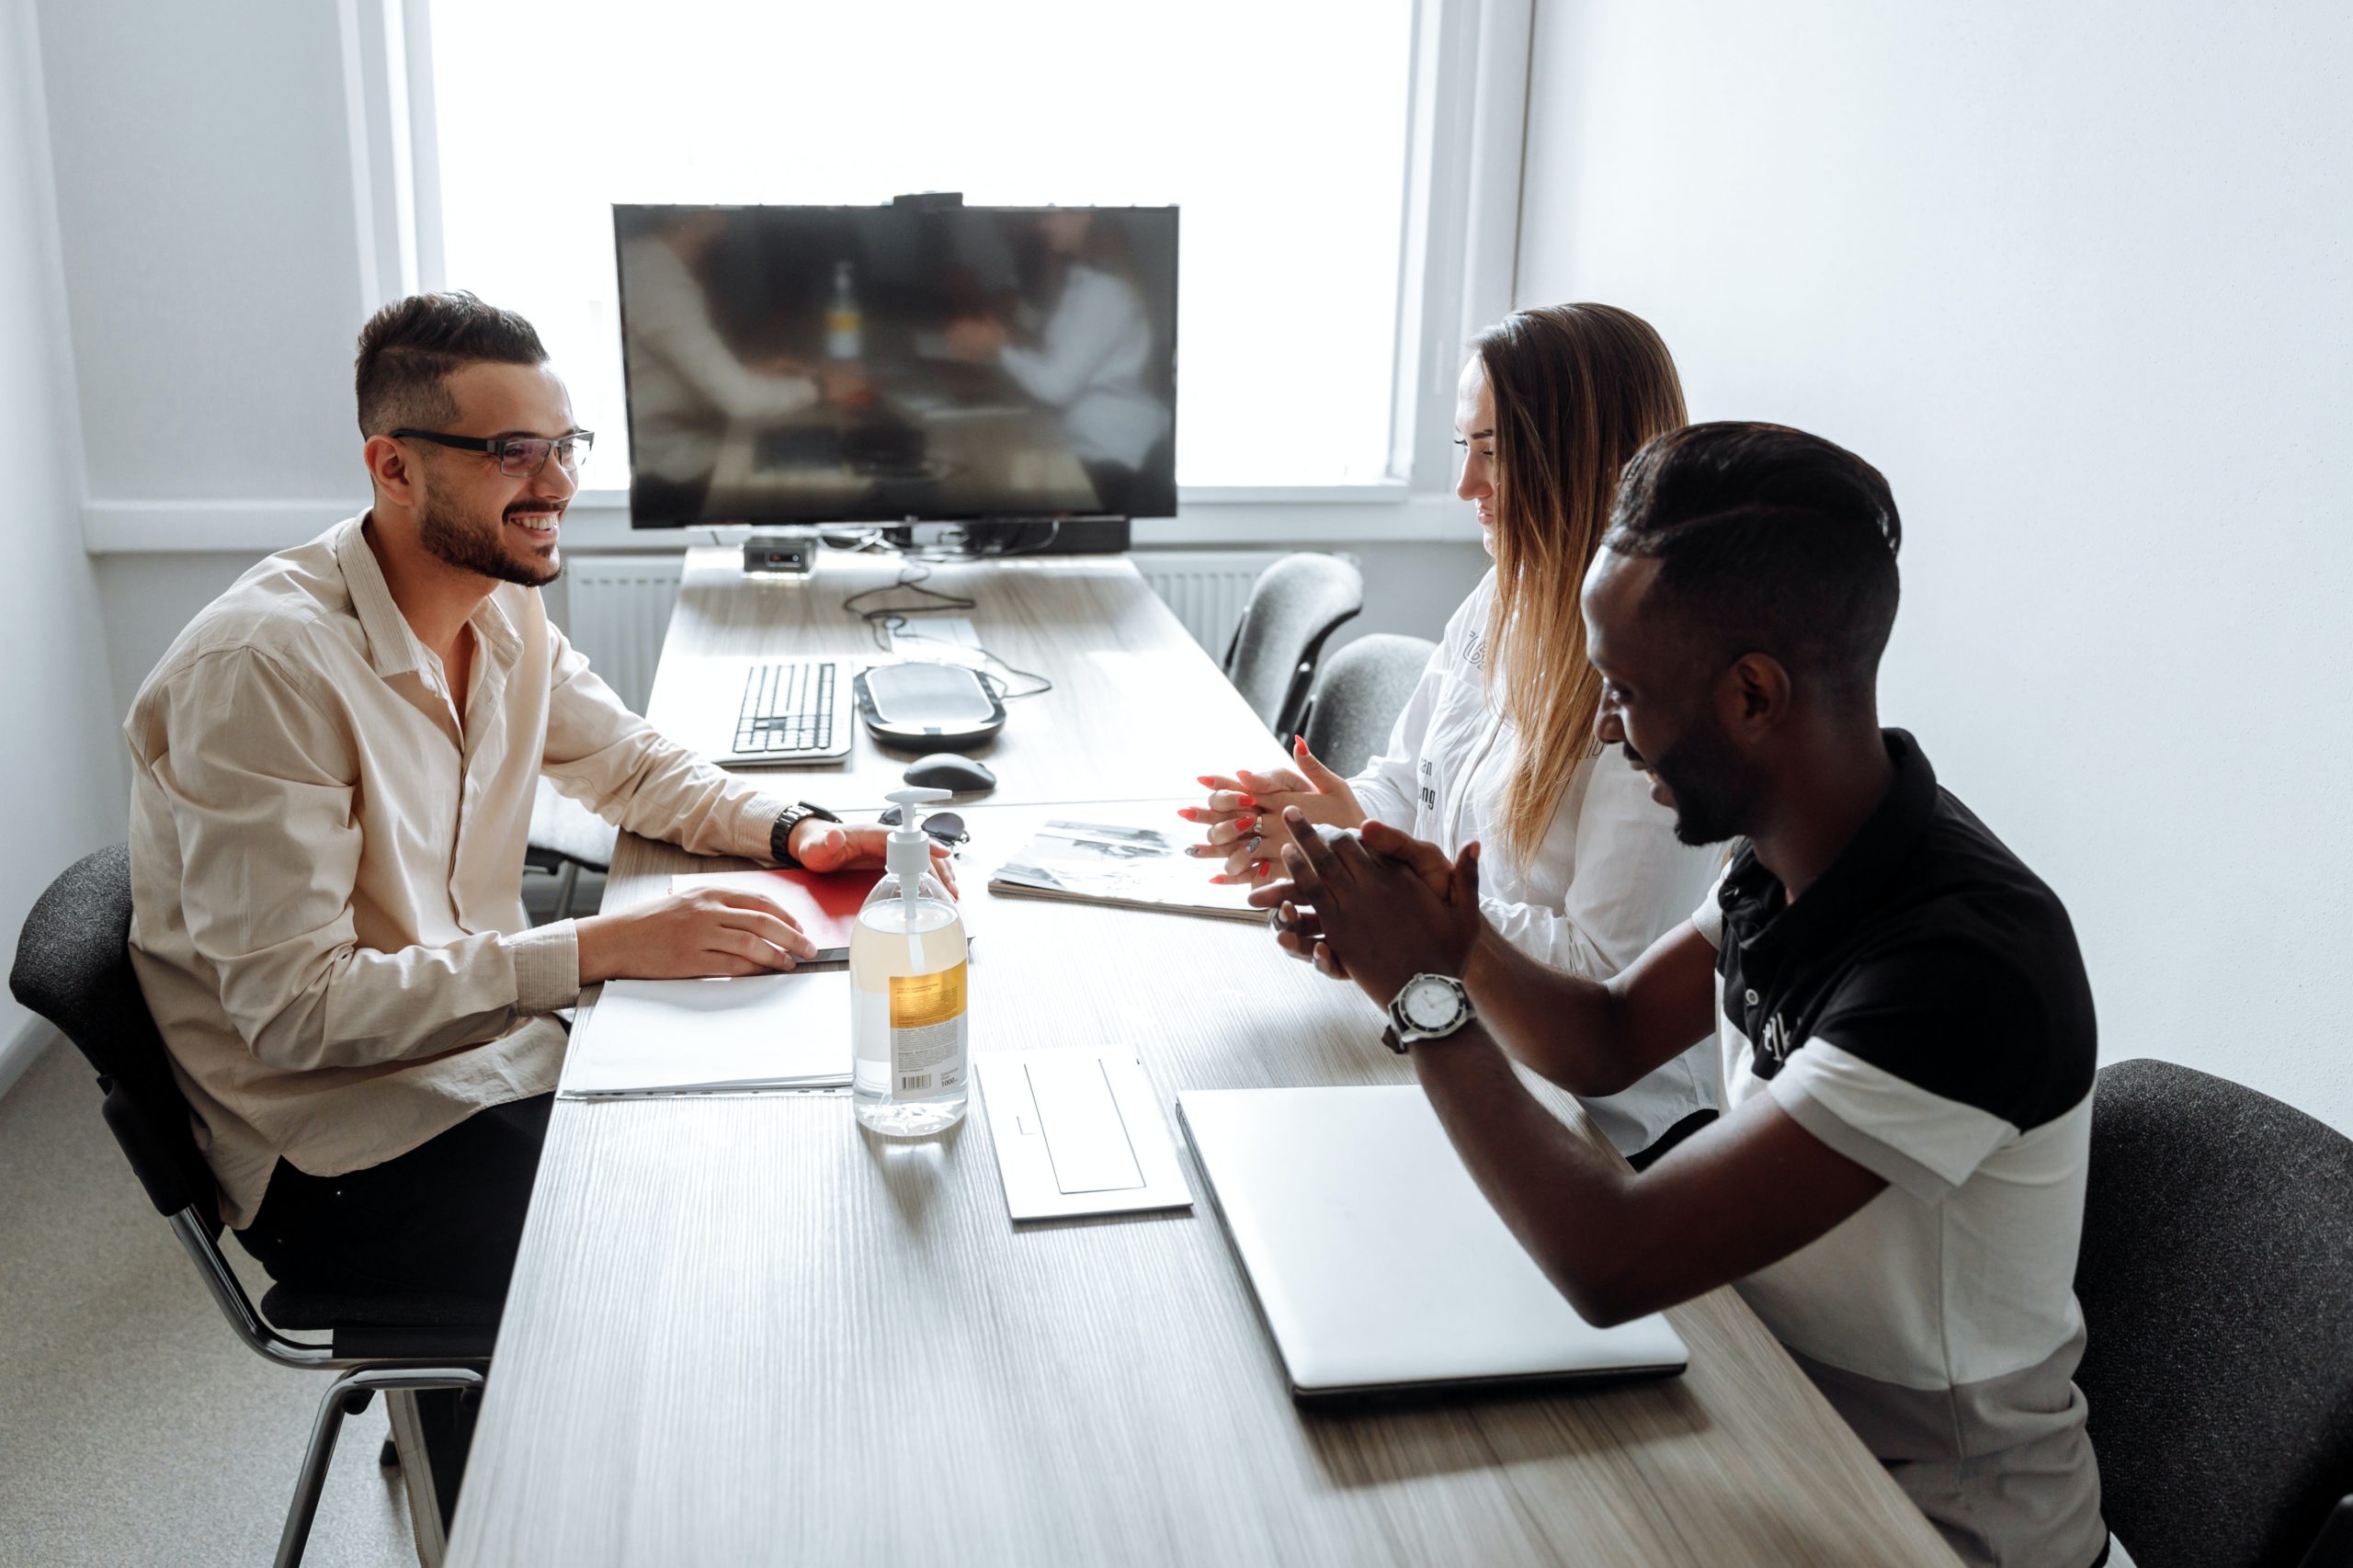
point(565, 839)
point(1295, 605)
point(2217, 1285)
point(1358, 697)
point(73, 968)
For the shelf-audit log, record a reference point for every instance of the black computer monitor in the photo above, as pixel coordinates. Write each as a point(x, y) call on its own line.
point(922, 361)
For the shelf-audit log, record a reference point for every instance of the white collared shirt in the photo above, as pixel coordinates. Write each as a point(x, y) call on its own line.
point(326, 866)
point(1090, 362)
point(1609, 879)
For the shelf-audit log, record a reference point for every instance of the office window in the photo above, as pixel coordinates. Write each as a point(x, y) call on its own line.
point(1279, 128)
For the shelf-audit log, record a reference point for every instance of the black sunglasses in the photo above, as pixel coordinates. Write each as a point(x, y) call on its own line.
point(945, 826)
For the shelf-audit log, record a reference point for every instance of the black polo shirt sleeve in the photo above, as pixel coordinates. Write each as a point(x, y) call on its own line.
point(1934, 1047)
point(1923, 1061)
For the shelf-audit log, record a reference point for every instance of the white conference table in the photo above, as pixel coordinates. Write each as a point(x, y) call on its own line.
point(743, 1331)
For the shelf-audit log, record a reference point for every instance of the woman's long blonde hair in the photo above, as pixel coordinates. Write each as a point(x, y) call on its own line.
point(1576, 388)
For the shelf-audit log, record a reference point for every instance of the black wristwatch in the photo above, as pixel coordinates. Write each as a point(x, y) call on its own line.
point(1430, 1006)
point(792, 817)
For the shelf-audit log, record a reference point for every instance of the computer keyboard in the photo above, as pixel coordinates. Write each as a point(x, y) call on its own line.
point(788, 709)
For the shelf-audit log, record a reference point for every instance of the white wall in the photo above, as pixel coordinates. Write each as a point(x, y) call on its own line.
point(60, 792)
point(2078, 280)
point(208, 220)
point(205, 205)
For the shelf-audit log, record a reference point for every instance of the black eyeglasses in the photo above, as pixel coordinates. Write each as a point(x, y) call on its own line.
point(519, 457)
point(945, 826)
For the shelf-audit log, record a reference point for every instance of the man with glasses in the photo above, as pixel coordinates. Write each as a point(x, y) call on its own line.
point(334, 769)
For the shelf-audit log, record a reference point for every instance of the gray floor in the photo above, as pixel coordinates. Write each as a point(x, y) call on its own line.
point(134, 1428)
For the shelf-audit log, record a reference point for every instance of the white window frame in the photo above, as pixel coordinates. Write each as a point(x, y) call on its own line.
point(1458, 251)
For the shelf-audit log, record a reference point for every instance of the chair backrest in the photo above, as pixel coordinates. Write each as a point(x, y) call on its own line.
point(73, 968)
point(562, 829)
point(1357, 695)
point(2217, 1285)
point(1294, 606)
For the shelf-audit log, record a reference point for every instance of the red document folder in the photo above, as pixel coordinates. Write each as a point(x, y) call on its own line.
point(826, 906)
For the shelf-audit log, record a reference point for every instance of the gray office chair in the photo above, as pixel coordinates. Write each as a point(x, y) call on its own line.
point(566, 838)
point(1357, 695)
point(2217, 1284)
point(73, 968)
point(1295, 605)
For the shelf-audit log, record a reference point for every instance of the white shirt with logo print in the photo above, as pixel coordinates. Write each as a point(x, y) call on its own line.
point(1609, 879)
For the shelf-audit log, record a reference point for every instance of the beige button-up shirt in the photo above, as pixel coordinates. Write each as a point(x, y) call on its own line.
point(326, 866)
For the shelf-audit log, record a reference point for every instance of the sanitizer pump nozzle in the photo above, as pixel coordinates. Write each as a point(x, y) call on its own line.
point(908, 854)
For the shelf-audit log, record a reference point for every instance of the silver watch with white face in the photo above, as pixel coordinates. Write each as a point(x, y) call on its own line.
point(1430, 1006)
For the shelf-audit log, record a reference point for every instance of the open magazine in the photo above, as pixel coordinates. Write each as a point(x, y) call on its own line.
point(1121, 865)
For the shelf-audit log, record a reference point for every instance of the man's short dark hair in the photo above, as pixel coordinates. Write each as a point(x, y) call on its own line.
point(408, 349)
point(1768, 540)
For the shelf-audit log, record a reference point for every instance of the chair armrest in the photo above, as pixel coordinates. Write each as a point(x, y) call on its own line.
point(2333, 1548)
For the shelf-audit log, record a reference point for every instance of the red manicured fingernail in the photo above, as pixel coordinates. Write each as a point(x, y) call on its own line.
point(1245, 800)
point(1261, 868)
point(1299, 743)
point(1219, 881)
point(1245, 824)
point(1205, 779)
point(1188, 813)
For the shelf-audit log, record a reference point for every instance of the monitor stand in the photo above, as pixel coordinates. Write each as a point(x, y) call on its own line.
point(1065, 536)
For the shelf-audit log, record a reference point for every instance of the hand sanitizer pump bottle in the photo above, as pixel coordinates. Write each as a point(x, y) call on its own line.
point(845, 323)
point(911, 1075)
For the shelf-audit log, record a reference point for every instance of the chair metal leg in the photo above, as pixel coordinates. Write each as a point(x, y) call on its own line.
point(566, 881)
point(418, 1480)
point(348, 1396)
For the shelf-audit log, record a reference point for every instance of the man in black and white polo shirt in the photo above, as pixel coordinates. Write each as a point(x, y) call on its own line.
point(1897, 1185)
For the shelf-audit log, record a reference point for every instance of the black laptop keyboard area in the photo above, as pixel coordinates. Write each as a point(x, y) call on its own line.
point(788, 710)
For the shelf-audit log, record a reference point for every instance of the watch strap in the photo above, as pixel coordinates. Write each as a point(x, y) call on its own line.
point(780, 831)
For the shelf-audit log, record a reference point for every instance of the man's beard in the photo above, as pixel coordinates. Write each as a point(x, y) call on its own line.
point(1714, 795)
point(461, 541)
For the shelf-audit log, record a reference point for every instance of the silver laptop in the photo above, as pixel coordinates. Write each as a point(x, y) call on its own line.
point(1380, 1268)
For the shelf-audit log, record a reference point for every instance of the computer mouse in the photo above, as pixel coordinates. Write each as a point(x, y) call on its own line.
point(946, 770)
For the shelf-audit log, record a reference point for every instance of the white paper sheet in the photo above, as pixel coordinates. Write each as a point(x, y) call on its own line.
point(664, 1037)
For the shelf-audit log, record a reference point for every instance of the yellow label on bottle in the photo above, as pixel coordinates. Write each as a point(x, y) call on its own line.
point(919, 1001)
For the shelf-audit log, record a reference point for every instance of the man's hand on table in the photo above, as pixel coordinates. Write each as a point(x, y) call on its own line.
point(1393, 906)
point(821, 845)
point(689, 936)
point(715, 931)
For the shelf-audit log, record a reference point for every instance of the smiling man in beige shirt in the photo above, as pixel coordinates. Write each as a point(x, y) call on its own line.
point(335, 767)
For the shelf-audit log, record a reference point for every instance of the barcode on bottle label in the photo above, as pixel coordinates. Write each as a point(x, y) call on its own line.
point(915, 1081)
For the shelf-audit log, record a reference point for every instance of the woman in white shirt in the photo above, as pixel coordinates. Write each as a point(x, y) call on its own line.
point(1088, 355)
point(1583, 869)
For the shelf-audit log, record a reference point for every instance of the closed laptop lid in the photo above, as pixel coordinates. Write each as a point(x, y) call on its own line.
point(1378, 1264)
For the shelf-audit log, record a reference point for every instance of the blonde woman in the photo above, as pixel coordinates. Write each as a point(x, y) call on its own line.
point(1582, 869)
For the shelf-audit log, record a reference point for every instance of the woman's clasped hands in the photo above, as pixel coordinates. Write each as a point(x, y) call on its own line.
point(1243, 814)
